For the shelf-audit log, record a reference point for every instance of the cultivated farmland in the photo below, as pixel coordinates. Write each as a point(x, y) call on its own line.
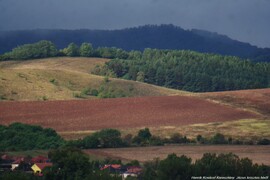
point(85, 115)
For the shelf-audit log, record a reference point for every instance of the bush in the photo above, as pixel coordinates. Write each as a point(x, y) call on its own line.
point(41, 49)
point(72, 163)
point(264, 142)
point(156, 141)
point(174, 167)
point(219, 139)
point(18, 136)
point(106, 138)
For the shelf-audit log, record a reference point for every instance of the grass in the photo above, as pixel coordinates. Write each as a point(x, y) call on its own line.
point(246, 129)
point(63, 78)
point(31, 153)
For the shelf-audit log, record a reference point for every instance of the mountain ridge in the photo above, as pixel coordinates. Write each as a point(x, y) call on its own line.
point(139, 38)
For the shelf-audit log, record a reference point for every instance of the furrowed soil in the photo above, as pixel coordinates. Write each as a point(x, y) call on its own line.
point(87, 115)
point(256, 100)
point(258, 154)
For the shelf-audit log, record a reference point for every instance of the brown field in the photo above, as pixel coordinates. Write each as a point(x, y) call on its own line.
point(86, 115)
point(256, 100)
point(258, 154)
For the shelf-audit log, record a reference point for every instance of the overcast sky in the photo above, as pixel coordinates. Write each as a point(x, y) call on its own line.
point(244, 20)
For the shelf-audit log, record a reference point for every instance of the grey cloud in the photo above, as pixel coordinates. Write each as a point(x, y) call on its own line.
point(245, 20)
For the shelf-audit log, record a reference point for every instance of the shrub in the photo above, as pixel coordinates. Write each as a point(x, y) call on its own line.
point(18, 136)
point(264, 142)
point(219, 139)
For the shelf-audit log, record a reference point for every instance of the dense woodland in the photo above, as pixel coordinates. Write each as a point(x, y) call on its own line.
point(139, 38)
point(189, 70)
point(19, 137)
point(179, 69)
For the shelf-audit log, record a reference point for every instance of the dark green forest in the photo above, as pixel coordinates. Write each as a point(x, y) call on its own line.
point(189, 70)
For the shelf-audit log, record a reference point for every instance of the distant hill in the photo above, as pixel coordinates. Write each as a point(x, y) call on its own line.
point(139, 38)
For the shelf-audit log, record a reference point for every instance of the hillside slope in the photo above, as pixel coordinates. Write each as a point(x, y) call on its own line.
point(65, 78)
point(255, 100)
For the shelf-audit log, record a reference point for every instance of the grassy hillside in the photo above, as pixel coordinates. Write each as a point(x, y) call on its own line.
point(65, 78)
point(68, 78)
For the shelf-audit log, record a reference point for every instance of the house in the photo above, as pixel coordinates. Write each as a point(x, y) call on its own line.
point(40, 159)
point(114, 168)
point(16, 163)
point(132, 171)
point(6, 162)
point(38, 167)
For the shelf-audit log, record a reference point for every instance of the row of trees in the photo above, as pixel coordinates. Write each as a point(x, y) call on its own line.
point(111, 138)
point(188, 70)
point(19, 136)
point(43, 49)
point(223, 165)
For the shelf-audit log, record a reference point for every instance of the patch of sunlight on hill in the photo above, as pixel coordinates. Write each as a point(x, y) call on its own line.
point(65, 78)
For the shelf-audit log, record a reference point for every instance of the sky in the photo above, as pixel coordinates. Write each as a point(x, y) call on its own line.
point(243, 20)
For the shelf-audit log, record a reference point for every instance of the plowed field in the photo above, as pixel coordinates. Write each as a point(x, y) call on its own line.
point(256, 100)
point(80, 115)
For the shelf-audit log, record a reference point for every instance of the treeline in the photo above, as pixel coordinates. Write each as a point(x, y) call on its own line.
point(112, 138)
point(44, 49)
point(20, 137)
point(222, 165)
point(70, 163)
point(188, 70)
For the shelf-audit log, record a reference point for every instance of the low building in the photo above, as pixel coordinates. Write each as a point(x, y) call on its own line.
point(38, 168)
point(16, 163)
point(132, 171)
point(40, 159)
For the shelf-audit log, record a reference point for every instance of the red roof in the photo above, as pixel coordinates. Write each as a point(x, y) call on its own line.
point(18, 160)
point(115, 166)
point(43, 165)
point(6, 157)
point(39, 159)
point(134, 169)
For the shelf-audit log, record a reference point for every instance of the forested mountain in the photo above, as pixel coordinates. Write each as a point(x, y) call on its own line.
point(139, 38)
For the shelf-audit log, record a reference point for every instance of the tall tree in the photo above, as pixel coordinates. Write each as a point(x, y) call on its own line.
point(86, 50)
point(72, 50)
